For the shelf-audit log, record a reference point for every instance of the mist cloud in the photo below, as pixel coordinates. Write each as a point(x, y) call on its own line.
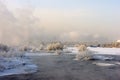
point(25, 25)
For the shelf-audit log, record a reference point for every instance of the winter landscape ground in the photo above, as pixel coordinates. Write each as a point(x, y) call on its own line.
point(63, 67)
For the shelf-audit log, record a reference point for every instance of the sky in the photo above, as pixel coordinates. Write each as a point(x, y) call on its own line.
point(59, 20)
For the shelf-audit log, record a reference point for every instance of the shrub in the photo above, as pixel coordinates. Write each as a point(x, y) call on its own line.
point(82, 48)
point(11, 53)
point(83, 54)
point(86, 55)
point(55, 46)
point(41, 47)
point(25, 48)
point(4, 48)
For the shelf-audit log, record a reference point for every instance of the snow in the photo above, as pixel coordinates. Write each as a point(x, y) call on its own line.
point(102, 57)
point(71, 50)
point(97, 50)
point(16, 65)
point(107, 64)
point(106, 51)
point(68, 50)
point(74, 50)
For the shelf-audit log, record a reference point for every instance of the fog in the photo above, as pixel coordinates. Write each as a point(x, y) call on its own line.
point(28, 24)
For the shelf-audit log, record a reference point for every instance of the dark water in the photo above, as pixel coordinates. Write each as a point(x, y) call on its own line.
point(63, 67)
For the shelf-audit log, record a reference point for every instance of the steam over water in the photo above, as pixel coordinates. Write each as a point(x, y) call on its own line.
point(28, 24)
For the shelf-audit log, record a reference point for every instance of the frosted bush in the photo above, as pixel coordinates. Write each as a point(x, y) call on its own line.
point(16, 53)
point(31, 48)
point(82, 48)
point(76, 45)
point(50, 47)
point(83, 54)
point(55, 46)
point(41, 47)
point(27, 48)
point(4, 48)
point(11, 53)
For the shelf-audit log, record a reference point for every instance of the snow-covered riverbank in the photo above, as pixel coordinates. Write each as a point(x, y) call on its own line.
point(16, 65)
point(74, 50)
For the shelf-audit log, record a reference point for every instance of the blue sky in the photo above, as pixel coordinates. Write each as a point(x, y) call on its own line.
point(101, 7)
point(68, 4)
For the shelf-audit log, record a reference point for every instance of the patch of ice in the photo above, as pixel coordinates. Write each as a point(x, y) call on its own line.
point(99, 57)
point(104, 64)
